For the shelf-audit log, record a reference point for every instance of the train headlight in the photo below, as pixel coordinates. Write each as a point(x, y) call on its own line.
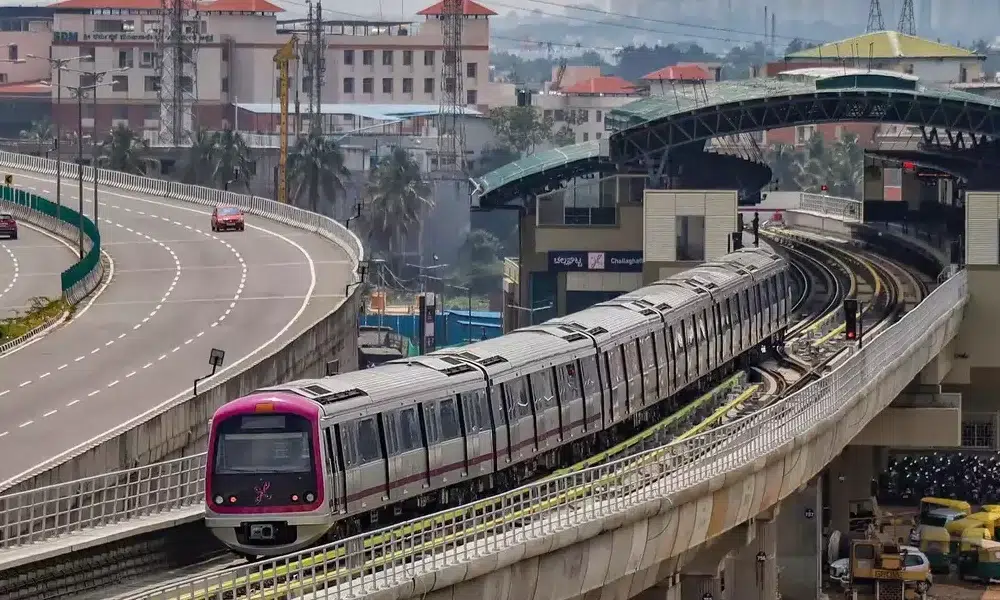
point(310, 497)
point(219, 499)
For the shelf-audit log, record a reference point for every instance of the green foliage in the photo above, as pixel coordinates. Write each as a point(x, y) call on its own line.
point(837, 166)
point(39, 311)
point(397, 200)
point(520, 128)
point(41, 133)
point(123, 150)
point(480, 262)
point(317, 161)
point(218, 159)
point(563, 137)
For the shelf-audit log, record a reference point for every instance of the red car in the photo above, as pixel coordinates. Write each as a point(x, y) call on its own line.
point(8, 226)
point(227, 217)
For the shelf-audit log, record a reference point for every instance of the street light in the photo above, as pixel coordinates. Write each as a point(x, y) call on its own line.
point(97, 77)
point(531, 311)
point(58, 64)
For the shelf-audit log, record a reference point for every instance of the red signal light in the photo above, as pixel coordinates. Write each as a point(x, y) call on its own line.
point(850, 335)
point(824, 188)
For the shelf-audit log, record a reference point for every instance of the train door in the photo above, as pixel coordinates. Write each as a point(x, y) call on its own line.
point(593, 394)
point(746, 320)
point(633, 376)
point(679, 358)
point(521, 419)
point(449, 449)
point(478, 432)
point(364, 465)
point(662, 364)
point(336, 488)
point(573, 409)
point(647, 356)
point(407, 456)
point(435, 456)
point(501, 426)
point(547, 416)
point(704, 345)
point(691, 343)
point(616, 382)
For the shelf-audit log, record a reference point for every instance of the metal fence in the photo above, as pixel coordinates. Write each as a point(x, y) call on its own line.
point(836, 207)
point(395, 556)
point(56, 510)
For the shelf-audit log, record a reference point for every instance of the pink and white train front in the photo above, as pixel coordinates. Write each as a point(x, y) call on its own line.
point(265, 492)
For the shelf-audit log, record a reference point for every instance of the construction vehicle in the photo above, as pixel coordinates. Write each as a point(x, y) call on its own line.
point(282, 58)
point(880, 571)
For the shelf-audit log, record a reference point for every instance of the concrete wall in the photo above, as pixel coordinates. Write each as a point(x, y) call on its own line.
point(183, 428)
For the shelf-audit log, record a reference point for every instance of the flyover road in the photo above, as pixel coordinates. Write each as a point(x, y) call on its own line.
point(30, 266)
point(177, 291)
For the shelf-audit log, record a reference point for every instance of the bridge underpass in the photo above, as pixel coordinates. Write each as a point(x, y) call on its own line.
point(733, 480)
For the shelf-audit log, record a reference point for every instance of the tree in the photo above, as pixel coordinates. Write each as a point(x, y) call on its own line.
point(232, 159)
point(198, 166)
point(493, 157)
point(40, 132)
point(520, 127)
point(563, 137)
point(479, 261)
point(397, 201)
point(317, 161)
point(784, 161)
point(123, 150)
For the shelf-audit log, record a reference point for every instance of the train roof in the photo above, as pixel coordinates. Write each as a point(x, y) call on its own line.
point(405, 378)
point(605, 320)
point(279, 400)
point(522, 347)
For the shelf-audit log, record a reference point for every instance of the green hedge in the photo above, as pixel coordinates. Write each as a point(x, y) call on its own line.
point(79, 271)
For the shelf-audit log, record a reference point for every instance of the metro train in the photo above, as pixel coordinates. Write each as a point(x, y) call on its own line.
point(320, 459)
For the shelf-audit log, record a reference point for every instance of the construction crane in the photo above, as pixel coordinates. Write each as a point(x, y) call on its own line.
point(282, 58)
point(560, 72)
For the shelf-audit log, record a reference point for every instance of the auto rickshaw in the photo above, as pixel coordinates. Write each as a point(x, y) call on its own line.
point(981, 560)
point(935, 542)
point(991, 508)
point(929, 503)
point(967, 528)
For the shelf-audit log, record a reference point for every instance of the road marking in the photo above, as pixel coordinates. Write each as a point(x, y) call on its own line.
point(71, 402)
point(44, 375)
point(17, 270)
point(24, 383)
point(50, 413)
point(4, 393)
point(25, 424)
point(93, 393)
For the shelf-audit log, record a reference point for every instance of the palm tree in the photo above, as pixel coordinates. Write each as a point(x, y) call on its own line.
point(198, 167)
point(232, 159)
point(40, 132)
point(783, 160)
point(317, 160)
point(124, 150)
point(397, 200)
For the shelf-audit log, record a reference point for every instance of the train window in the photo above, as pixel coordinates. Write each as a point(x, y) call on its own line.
point(614, 358)
point(569, 381)
point(541, 389)
point(632, 366)
point(517, 399)
point(661, 349)
point(647, 353)
point(450, 428)
point(702, 333)
point(368, 441)
point(409, 430)
point(497, 395)
point(591, 383)
point(483, 410)
point(745, 302)
point(474, 419)
point(347, 443)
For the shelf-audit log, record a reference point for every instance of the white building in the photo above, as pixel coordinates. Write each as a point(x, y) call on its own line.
point(580, 98)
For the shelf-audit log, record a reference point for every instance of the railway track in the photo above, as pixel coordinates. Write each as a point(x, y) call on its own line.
point(826, 274)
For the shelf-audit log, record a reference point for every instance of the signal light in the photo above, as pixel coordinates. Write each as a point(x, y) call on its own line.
point(851, 318)
point(232, 499)
point(824, 188)
point(310, 497)
point(295, 497)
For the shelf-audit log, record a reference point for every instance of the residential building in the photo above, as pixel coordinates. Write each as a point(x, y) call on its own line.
point(577, 98)
point(366, 62)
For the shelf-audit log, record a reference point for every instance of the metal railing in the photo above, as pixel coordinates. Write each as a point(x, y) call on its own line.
point(846, 209)
point(57, 510)
point(395, 556)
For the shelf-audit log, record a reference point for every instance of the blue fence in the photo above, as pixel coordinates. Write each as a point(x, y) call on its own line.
point(453, 326)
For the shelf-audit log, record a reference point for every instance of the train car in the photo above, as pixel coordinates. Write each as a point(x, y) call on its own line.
point(325, 458)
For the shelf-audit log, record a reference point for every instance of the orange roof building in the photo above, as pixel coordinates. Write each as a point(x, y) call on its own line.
point(469, 9)
point(608, 85)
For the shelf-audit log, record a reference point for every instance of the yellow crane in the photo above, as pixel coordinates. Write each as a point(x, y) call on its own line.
point(282, 58)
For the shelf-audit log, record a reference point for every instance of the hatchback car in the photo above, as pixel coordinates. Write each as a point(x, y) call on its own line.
point(8, 226)
point(227, 217)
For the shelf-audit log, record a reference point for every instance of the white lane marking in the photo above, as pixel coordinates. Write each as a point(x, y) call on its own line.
point(50, 413)
point(93, 393)
point(25, 424)
point(4, 433)
point(24, 383)
point(17, 270)
point(71, 402)
point(4, 393)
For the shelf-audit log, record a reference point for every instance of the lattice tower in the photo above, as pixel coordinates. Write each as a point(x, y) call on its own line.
point(907, 23)
point(451, 125)
point(875, 22)
point(308, 62)
point(319, 63)
point(177, 43)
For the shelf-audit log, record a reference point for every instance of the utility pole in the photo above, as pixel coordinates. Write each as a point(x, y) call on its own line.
point(875, 22)
point(176, 54)
point(907, 23)
point(316, 119)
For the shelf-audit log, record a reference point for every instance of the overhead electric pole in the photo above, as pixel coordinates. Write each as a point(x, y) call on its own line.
point(907, 24)
point(451, 125)
point(177, 69)
point(875, 22)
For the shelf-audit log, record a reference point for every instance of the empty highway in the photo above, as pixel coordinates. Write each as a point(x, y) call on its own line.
point(30, 266)
point(177, 290)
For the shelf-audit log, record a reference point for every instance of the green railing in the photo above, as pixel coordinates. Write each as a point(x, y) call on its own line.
point(80, 279)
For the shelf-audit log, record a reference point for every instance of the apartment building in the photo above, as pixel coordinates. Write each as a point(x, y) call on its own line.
point(579, 97)
point(366, 61)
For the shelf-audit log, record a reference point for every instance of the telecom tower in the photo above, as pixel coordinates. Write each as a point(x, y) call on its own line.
point(875, 22)
point(451, 125)
point(177, 68)
point(907, 23)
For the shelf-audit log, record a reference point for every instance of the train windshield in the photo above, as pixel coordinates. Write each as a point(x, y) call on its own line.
point(263, 444)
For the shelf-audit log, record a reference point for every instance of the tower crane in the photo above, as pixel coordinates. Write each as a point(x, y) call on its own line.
point(282, 58)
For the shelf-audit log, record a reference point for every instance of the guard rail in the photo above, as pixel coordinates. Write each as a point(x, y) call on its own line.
point(846, 209)
point(394, 556)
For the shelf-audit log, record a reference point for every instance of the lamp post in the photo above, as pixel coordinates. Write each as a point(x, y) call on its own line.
point(59, 65)
point(531, 311)
point(97, 78)
point(79, 91)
